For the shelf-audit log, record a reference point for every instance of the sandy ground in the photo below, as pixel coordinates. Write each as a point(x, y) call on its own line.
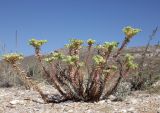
point(18, 100)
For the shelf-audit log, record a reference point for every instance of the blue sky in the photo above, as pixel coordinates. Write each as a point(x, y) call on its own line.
point(59, 20)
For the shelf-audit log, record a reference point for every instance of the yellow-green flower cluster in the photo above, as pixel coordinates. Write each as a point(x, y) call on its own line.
point(132, 65)
point(129, 62)
point(71, 59)
point(12, 57)
point(106, 71)
point(99, 47)
point(110, 45)
point(112, 68)
point(74, 44)
point(98, 59)
point(49, 59)
point(55, 56)
point(130, 32)
point(90, 42)
point(37, 43)
point(107, 46)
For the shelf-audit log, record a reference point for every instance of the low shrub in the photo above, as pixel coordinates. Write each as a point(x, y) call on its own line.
point(75, 78)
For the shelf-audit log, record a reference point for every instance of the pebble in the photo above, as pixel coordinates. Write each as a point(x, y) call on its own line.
point(13, 102)
point(133, 101)
point(101, 102)
point(109, 101)
point(89, 111)
point(131, 110)
point(70, 111)
point(112, 97)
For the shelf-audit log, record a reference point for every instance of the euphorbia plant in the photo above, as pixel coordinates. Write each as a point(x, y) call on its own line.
point(129, 33)
point(75, 79)
point(13, 59)
point(36, 44)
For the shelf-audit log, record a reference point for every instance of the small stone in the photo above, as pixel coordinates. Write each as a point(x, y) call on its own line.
point(70, 111)
point(124, 111)
point(156, 84)
point(102, 102)
point(89, 111)
point(133, 101)
point(131, 110)
point(112, 97)
point(109, 101)
point(13, 102)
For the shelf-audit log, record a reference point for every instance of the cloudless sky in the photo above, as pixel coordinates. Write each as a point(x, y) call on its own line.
point(59, 20)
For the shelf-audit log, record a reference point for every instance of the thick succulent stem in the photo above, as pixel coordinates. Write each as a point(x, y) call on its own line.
point(93, 86)
point(103, 84)
point(121, 73)
point(87, 58)
point(28, 82)
point(124, 43)
point(55, 81)
point(114, 87)
point(39, 57)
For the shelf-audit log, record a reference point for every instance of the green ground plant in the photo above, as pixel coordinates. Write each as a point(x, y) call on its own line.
point(73, 77)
